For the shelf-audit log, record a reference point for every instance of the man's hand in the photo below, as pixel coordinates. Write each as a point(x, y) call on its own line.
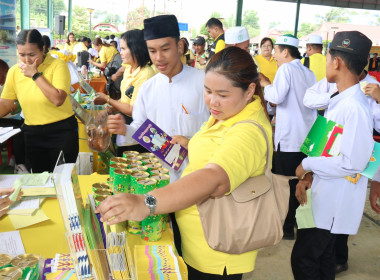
point(122, 207)
point(301, 188)
point(374, 195)
point(264, 81)
point(373, 90)
point(116, 124)
point(300, 171)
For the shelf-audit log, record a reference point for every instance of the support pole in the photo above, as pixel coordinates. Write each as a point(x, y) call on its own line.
point(69, 25)
point(25, 18)
point(239, 11)
point(297, 16)
point(50, 18)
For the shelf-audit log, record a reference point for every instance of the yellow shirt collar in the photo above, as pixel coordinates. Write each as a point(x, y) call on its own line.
point(244, 114)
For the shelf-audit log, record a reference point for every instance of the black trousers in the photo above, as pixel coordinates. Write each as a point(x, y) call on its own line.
point(197, 275)
point(43, 143)
point(286, 163)
point(313, 255)
point(341, 249)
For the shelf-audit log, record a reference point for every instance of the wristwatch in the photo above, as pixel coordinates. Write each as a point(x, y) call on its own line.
point(151, 202)
point(35, 76)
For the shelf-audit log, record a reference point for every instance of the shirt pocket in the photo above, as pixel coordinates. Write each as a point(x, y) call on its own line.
point(190, 123)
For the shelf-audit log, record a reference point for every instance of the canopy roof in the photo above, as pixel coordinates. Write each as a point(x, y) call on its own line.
point(354, 4)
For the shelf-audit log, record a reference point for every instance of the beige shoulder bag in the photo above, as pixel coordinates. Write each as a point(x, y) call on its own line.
point(252, 216)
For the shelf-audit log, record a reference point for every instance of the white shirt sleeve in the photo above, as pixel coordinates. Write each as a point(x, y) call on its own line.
point(318, 96)
point(277, 92)
point(355, 150)
point(139, 116)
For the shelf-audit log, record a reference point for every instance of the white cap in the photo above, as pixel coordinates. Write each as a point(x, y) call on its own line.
point(236, 35)
point(288, 40)
point(314, 39)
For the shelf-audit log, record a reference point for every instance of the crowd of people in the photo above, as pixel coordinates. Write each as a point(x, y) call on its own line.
point(205, 100)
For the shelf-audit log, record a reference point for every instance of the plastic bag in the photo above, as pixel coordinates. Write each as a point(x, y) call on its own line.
point(99, 138)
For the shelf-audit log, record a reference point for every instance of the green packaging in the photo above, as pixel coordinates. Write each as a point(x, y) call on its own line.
point(113, 167)
point(162, 180)
point(136, 176)
point(10, 273)
point(128, 154)
point(152, 227)
point(5, 260)
point(153, 166)
point(158, 171)
point(139, 168)
point(121, 180)
point(118, 160)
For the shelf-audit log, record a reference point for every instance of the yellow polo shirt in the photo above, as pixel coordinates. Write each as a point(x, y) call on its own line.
point(220, 45)
point(241, 152)
point(107, 53)
point(37, 109)
point(317, 65)
point(70, 47)
point(267, 67)
point(135, 79)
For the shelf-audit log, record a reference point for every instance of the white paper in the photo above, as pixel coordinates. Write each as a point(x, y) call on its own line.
point(6, 136)
point(4, 130)
point(25, 204)
point(6, 181)
point(11, 243)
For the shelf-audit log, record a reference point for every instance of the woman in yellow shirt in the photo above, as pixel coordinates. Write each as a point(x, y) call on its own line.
point(267, 64)
point(106, 53)
point(221, 157)
point(41, 84)
point(70, 42)
point(137, 70)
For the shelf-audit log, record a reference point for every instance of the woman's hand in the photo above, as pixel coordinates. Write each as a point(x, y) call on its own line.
point(122, 207)
point(101, 98)
point(116, 124)
point(179, 139)
point(29, 69)
point(5, 202)
point(373, 90)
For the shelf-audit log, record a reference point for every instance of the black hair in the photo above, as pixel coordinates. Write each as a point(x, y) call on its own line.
point(31, 36)
point(185, 45)
point(293, 51)
point(112, 37)
point(47, 43)
point(265, 39)
point(137, 46)
point(88, 41)
point(354, 63)
point(214, 22)
point(316, 46)
point(239, 67)
point(83, 39)
point(107, 37)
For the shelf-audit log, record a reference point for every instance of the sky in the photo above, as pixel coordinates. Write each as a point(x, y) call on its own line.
point(197, 12)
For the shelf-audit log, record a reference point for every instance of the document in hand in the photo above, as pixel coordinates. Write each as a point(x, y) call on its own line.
point(154, 139)
point(324, 139)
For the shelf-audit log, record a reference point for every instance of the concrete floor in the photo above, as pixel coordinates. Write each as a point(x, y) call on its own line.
point(363, 263)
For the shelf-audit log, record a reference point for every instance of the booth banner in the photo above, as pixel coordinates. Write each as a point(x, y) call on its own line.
point(8, 31)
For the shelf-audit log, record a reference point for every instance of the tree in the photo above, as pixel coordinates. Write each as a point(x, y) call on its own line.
point(273, 24)
point(81, 19)
point(335, 15)
point(136, 18)
point(306, 28)
point(251, 22)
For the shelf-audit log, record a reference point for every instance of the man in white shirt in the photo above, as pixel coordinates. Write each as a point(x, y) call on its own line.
point(337, 202)
point(293, 119)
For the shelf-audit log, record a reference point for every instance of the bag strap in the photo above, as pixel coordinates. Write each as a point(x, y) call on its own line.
point(269, 160)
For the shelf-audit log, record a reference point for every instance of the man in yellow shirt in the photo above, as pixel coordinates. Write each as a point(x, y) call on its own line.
point(315, 60)
point(215, 28)
point(200, 53)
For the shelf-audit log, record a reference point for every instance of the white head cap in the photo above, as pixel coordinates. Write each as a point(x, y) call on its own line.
point(236, 35)
point(314, 39)
point(287, 39)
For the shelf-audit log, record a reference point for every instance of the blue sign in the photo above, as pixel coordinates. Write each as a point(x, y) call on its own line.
point(183, 26)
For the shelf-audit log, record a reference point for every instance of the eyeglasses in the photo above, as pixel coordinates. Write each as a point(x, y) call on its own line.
point(266, 46)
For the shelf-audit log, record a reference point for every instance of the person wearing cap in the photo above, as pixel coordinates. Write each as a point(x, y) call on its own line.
point(318, 97)
point(200, 53)
point(215, 29)
point(315, 60)
point(337, 201)
point(293, 119)
point(237, 36)
point(173, 98)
